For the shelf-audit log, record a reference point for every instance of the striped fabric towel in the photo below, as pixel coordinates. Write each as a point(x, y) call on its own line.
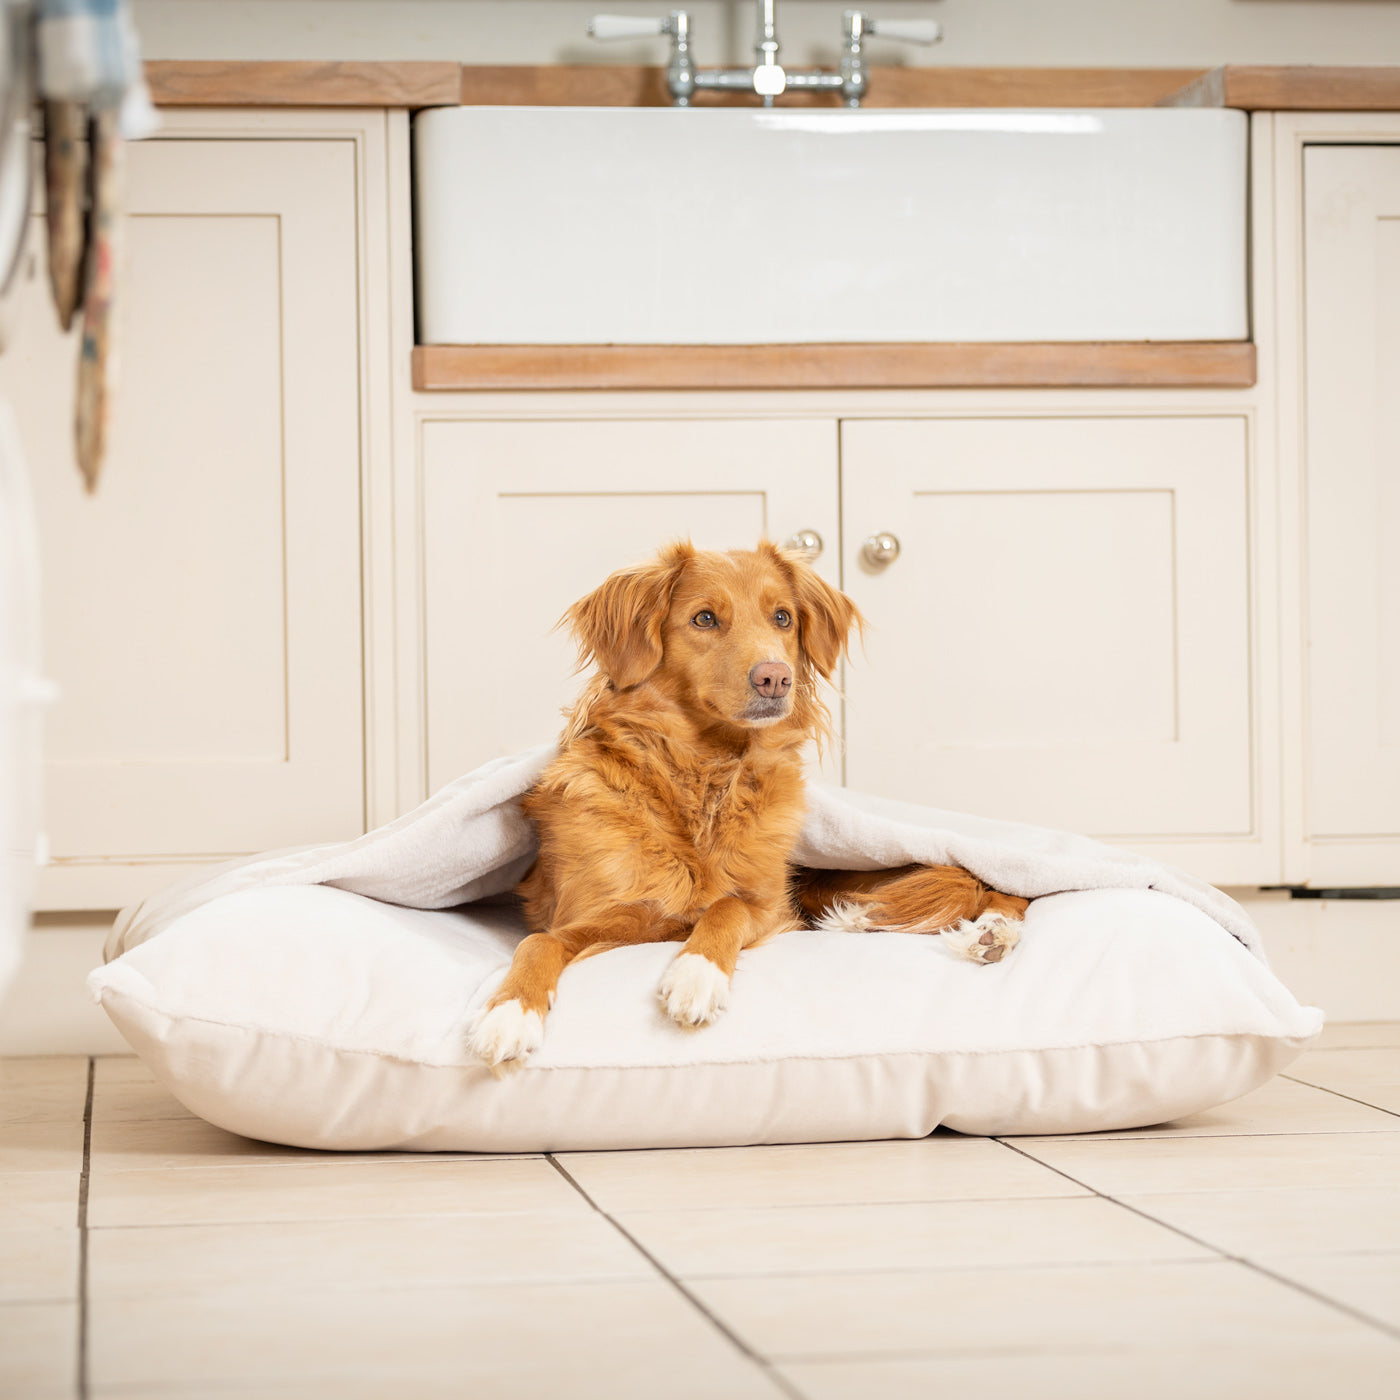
point(88, 53)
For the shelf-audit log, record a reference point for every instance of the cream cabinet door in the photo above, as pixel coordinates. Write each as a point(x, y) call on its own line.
point(201, 611)
point(522, 518)
point(1352, 513)
point(1064, 636)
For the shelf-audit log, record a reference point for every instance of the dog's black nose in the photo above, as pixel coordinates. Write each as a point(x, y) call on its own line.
point(771, 679)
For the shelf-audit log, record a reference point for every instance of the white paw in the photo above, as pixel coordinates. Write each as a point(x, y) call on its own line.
point(987, 939)
point(507, 1035)
point(845, 916)
point(694, 990)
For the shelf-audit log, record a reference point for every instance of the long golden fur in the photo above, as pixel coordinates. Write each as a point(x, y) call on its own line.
point(672, 808)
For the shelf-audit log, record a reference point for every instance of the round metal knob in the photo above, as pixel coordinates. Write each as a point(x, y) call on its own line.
point(880, 549)
point(806, 542)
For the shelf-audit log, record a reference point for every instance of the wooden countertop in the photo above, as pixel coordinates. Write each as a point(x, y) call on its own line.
point(610, 85)
point(177, 83)
point(1220, 364)
point(1293, 89)
point(181, 83)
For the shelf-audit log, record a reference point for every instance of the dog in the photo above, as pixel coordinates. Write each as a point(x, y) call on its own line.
point(672, 808)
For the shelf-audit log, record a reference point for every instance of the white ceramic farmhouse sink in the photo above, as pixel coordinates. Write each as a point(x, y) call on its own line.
point(732, 226)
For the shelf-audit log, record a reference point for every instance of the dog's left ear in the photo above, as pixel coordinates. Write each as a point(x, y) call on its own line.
point(619, 625)
point(825, 615)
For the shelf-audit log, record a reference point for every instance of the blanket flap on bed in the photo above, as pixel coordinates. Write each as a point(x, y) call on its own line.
point(471, 840)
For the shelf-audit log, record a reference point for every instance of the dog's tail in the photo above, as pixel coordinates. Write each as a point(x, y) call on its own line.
point(975, 920)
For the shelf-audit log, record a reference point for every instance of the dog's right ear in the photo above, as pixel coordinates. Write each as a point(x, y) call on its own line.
point(619, 624)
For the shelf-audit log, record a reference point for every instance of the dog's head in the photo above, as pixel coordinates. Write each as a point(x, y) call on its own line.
point(738, 638)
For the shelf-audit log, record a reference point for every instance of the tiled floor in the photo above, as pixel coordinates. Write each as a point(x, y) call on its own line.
point(1251, 1251)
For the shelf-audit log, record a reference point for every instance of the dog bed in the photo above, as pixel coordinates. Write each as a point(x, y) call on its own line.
point(320, 997)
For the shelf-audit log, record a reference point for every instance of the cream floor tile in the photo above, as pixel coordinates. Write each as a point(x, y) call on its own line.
point(41, 1147)
point(329, 1190)
point(124, 1089)
point(1283, 1221)
point(1370, 1283)
point(121, 1068)
point(1100, 1308)
point(939, 1235)
point(38, 1350)
point(1280, 1106)
point(142, 1144)
point(1346, 1035)
point(1120, 1167)
point(941, 1168)
point(38, 1198)
point(146, 1144)
point(387, 1383)
point(606, 1340)
point(383, 1383)
point(38, 1264)
point(325, 1256)
point(1359, 1367)
point(43, 1089)
point(1371, 1075)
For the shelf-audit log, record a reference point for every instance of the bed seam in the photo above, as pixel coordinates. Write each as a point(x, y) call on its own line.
point(704, 1064)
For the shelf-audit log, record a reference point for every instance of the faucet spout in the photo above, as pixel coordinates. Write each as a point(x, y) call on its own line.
point(767, 32)
point(769, 80)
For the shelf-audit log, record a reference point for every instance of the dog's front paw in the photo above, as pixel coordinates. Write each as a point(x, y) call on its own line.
point(506, 1036)
point(986, 939)
point(694, 991)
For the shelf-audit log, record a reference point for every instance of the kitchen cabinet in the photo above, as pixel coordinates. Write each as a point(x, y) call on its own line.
point(202, 611)
point(1329, 291)
point(521, 518)
point(1350, 502)
point(1064, 637)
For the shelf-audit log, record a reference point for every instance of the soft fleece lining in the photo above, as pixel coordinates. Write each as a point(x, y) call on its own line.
point(471, 840)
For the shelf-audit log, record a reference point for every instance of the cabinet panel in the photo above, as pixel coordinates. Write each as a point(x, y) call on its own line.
point(1064, 637)
point(214, 652)
point(522, 518)
point(1352, 510)
point(201, 611)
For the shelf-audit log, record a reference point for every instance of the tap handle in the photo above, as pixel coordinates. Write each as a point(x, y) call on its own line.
point(908, 31)
point(606, 27)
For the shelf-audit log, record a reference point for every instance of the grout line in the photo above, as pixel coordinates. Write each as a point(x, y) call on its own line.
point(299, 1157)
point(862, 1205)
point(1076, 1350)
point(1248, 1263)
point(935, 1270)
point(1350, 1098)
point(83, 1235)
point(733, 1338)
point(1388, 1328)
point(1199, 1137)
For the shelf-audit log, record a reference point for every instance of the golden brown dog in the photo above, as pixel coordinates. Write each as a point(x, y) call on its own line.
point(671, 811)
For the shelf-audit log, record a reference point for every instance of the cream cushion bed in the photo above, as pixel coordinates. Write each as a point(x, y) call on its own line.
point(314, 1016)
point(321, 997)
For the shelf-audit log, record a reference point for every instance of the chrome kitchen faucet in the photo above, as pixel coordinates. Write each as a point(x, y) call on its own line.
point(767, 78)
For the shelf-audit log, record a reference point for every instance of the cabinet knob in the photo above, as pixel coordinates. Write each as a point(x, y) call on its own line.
point(806, 542)
point(880, 549)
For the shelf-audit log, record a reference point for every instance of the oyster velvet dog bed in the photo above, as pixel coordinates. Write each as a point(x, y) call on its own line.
point(321, 997)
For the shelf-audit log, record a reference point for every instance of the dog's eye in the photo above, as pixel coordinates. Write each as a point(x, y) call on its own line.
point(705, 619)
point(783, 617)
